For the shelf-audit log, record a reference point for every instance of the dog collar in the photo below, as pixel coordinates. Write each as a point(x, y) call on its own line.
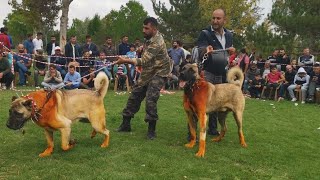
point(34, 109)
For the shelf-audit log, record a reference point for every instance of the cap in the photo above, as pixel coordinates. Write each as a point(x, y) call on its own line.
point(57, 48)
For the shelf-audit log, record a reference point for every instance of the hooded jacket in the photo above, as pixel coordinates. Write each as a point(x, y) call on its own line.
point(302, 80)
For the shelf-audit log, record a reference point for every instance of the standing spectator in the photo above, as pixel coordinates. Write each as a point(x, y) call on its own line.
point(22, 64)
point(294, 64)
point(314, 82)
point(4, 39)
point(232, 57)
point(10, 38)
point(274, 57)
point(60, 61)
point(40, 67)
point(243, 61)
point(301, 81)
point(124, 46)
point(152, 78)
point(252, 55)
point(6, 75)
point(283, 61)
point(37, 42)
point(72, 79)
point(131, 71)
point(260, 62)
point(91, 47)
point(72, 50)
point(52, 45)
point(28, 44)
point(289, 78)
point(108, 48)
point(306, 60)
point(177, 55)
point(52, 79)
point(216, 37)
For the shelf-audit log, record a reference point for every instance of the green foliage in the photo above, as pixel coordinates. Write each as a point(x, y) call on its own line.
point(298, 18)
point(127, 21)
point(79, 29)
point(182, 21)
point(18, 27)
point(283, 143)
point(41, 15)
point(94, 25)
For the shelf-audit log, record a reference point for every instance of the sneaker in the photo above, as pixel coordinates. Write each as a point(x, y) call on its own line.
point(303, 102)
point(294, 99)
point(280, 99)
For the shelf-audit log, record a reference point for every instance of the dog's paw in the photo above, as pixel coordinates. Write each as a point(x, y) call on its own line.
point(244, 145)
point(68, 147)
point(190, 144)
point(217, 139)
point(200, 153)
point(46, 152)
point(104, 145)
point(93, 134)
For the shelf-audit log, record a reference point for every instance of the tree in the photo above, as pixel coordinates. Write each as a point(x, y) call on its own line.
point(298, 18)
point(94, 25)
point(127, 21)
point(64, 22)
point(41, 15)
point(181, 21)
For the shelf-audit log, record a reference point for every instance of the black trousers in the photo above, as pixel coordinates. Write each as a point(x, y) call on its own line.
point(7, 79)
point(150, 91)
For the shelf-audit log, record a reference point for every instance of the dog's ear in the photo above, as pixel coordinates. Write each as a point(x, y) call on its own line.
point(14, 98)
point(28, 103)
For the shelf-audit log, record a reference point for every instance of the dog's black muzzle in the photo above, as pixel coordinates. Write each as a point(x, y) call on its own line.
point(16, 120)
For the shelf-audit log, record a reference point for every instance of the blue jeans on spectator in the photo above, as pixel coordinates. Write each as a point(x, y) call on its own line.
point(283, 88)
point(108, 73)
point(73, 86)
point(62, 71)
point(22, 69)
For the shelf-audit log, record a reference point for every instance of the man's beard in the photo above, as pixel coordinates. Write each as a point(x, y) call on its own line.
point(147, 36)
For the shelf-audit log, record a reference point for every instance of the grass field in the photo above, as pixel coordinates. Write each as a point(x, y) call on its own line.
point(283, 143)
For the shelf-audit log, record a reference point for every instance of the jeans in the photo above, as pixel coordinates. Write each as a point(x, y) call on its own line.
point(22, 69)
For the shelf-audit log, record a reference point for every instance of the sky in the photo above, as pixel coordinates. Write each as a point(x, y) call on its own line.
point(88, 8)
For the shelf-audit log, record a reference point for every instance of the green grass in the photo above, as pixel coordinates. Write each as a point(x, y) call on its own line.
point(283, 143)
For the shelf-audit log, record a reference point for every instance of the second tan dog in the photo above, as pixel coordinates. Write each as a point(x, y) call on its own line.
point(57, 110)
point(202, 98)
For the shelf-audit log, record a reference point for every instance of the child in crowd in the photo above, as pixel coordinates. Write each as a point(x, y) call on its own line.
point(256, 86)
point(301, 81)
point(120, 72)
point(266, 69)
point(289, 77)
point(250, 76)
point(132, 54)
point(274, 78)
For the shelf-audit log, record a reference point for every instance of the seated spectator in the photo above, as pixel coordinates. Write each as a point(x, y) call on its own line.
point(120, 72)
point(172, 81)
point(250, 76)
point(60, 61)
point(52, 79)
point(85, 63)
point(138, 72)
point(301, 81)
point(283, 60)
point(88, 81)
point(306, 60)
point(260, 63)
point(22, 64)
point(39, 67)
point(289, 77)
point(314, 82)
point(256, 86)
point(102, 61)
point(72, 79)
point(6, 76)
point(273, 80)
point(273, 59)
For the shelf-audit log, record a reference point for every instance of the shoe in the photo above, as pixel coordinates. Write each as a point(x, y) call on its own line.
point(294, 99)
point(152, 130)
point(303, 102)
point(125, 125)
point(280, 99)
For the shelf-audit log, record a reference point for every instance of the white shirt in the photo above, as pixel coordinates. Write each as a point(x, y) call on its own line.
point(37, 43)
point(53, 46)
point(185, 53)
point(221, 38)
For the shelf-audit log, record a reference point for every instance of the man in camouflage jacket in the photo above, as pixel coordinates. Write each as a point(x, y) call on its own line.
point(156, 66)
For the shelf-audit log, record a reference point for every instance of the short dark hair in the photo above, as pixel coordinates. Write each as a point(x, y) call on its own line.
point(29, 35)
point(88, 36)
point(52, 35)
point(153, 21)
point(178, 42)
point(72, 67)
point(2, 30)
point(39, 33)
point(132, 45)
point(273, 67)
point(52, 66)
point(243, 50)
point(108, 37)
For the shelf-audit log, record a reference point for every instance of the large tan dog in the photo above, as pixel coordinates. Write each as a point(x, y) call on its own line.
point(57, 110)
point(202, 98)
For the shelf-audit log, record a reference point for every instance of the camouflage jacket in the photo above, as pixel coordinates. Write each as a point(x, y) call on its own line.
point(154, 60)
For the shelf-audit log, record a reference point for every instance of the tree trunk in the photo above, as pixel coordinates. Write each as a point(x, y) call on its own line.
point(64, 23)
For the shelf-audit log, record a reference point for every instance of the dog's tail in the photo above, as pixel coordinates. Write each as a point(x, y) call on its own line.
point(101, 84)
point(235, 76)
